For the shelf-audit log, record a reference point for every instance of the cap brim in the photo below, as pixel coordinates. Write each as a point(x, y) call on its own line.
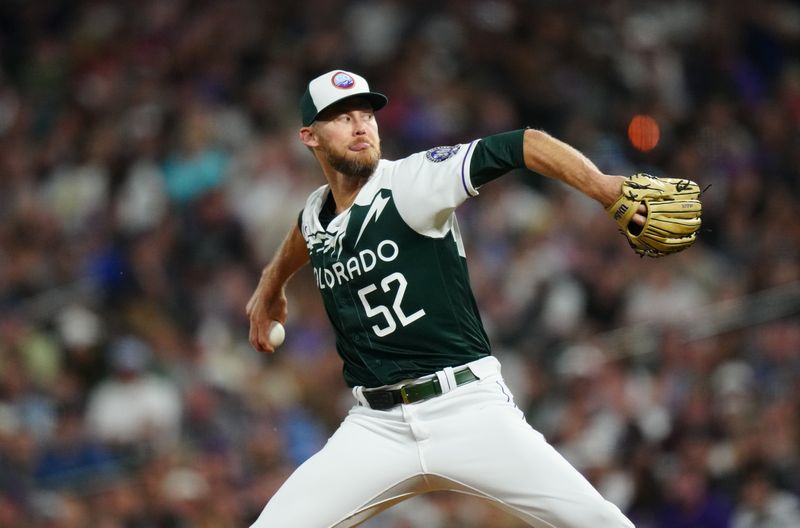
point(376, 100)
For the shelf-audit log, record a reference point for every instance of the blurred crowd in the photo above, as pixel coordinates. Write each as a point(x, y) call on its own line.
point(149, 167)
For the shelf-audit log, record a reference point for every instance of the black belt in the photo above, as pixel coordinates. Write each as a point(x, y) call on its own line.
point(382, 399)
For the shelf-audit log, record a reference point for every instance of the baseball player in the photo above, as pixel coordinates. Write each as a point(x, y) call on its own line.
point(431, 410)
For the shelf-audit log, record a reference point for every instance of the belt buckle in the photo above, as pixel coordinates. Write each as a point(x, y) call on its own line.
point(404, 394)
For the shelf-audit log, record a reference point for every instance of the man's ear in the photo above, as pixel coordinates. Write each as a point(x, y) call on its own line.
point(308, 137)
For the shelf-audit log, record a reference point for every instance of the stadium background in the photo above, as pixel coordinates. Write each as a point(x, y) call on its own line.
point(149, 166)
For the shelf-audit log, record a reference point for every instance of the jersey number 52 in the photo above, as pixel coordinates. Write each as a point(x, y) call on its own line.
point(399, 314)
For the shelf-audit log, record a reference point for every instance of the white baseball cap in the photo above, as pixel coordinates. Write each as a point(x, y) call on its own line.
point(335, 86)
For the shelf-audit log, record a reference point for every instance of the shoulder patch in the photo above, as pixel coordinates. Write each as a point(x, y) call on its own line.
point(439, 154)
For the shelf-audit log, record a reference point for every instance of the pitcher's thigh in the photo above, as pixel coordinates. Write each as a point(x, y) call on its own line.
point(496, 454)
point(357, 466)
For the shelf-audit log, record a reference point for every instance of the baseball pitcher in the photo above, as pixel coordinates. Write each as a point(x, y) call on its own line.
point(431, 410)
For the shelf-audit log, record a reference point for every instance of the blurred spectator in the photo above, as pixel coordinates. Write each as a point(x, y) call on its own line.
point(196, 165)
point(763, 505)
point(73, 460)
point(134, 406)
point(691, 502)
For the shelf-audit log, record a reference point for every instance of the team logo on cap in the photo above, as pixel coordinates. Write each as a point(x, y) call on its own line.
point(343, 80)
point(439, 154)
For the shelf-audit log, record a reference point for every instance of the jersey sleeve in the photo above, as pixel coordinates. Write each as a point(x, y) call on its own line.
point(428, 186)
point(496, 155)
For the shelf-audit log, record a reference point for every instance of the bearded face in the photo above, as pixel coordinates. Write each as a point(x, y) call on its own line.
point(345, 138)
point(357, 164)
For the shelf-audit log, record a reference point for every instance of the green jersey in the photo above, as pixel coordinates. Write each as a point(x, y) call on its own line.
point(392, 269)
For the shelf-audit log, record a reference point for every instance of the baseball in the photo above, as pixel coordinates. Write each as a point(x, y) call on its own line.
point(276, 334)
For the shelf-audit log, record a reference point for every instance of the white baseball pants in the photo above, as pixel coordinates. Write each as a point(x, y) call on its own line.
point(472, 440)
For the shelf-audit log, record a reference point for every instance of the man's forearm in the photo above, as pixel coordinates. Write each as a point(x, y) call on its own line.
point(290, 257)
point(555, 159)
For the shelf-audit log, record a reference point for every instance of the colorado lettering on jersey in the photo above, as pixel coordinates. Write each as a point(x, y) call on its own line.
point(357, 265)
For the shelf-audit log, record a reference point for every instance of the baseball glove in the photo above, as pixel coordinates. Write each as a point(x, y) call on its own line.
point(673, 214)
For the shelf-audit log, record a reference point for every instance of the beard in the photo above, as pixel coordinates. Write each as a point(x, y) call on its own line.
point(356, 165)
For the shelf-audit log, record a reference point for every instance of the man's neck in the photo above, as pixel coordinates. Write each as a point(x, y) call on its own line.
point(344, 188)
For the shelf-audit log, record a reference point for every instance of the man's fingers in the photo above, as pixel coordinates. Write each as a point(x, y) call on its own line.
point(640, 216)
point(254, 340)
point(261, 344)
point(259, 337)
point(262, 310)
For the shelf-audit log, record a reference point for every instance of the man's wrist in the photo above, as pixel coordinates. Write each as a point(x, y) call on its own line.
point(609, 189)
